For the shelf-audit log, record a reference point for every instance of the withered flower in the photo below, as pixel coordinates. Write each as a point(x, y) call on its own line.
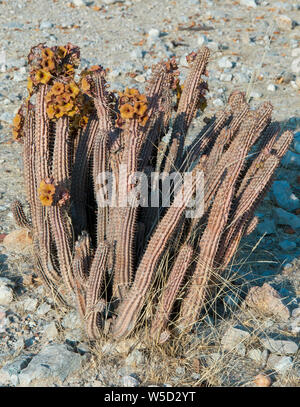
point(65, 197)
point(142, 98)
point(59, 111)
point(143, 121)
point(17, 120)
point(69, 69)
point(62, 52)
point(29, 86)
point(85, 85)
point(83, 121)
point(47, 53)
point(72, 113)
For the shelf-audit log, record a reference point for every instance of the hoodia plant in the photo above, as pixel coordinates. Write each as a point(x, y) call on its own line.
point(102, 245)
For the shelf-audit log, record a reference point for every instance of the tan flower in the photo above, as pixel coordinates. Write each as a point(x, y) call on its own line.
point(50, 111)
point(46, 192)
point(73, 89)
point(140, 108)
point(131, 92)
point(127, 111)
point(48, 64)
point(63, 99)
point(42, 76)
point(58, 88)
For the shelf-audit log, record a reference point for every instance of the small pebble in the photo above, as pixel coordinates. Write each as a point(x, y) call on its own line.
point(271, 87)
point(262, 380)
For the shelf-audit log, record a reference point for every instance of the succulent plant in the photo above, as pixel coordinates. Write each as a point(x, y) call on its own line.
point(108, 258)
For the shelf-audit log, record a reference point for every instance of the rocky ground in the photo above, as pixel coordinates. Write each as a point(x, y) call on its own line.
point(255, 47)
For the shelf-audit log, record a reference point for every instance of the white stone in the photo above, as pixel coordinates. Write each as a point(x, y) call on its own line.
point(218, 102)
point(72, 321)
point(226, 77)
point(45, 25)
point(248, 3)
point(255, 354)
point(233, 337)
point(284, 22)
point(202, 40)
point(80, 3)
point(137, 53)
point(50, 331)
point(6, 293)
point(30, 304)
point(283, 365)
point(54, 362)
point(255, 95)
point(43, 309)
point(140, 78)
point(271, 87)
point(280, 347)
point(153, 33)
point(225, 63)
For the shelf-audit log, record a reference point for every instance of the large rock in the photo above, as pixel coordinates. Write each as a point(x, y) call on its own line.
point(18, 241)
point(284, 197)
point(266, 300)
point(53, 364)
point(283, 217)
point(6, 292)
point(10, 372)
point(280, 363)
point(267, 226)
point(233, 340)
point(291, 160)
point(280, 347)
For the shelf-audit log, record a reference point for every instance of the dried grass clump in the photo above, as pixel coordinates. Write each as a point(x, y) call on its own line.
point(111, 258)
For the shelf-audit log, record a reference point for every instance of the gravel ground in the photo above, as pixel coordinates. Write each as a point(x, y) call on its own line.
point(255, 47)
